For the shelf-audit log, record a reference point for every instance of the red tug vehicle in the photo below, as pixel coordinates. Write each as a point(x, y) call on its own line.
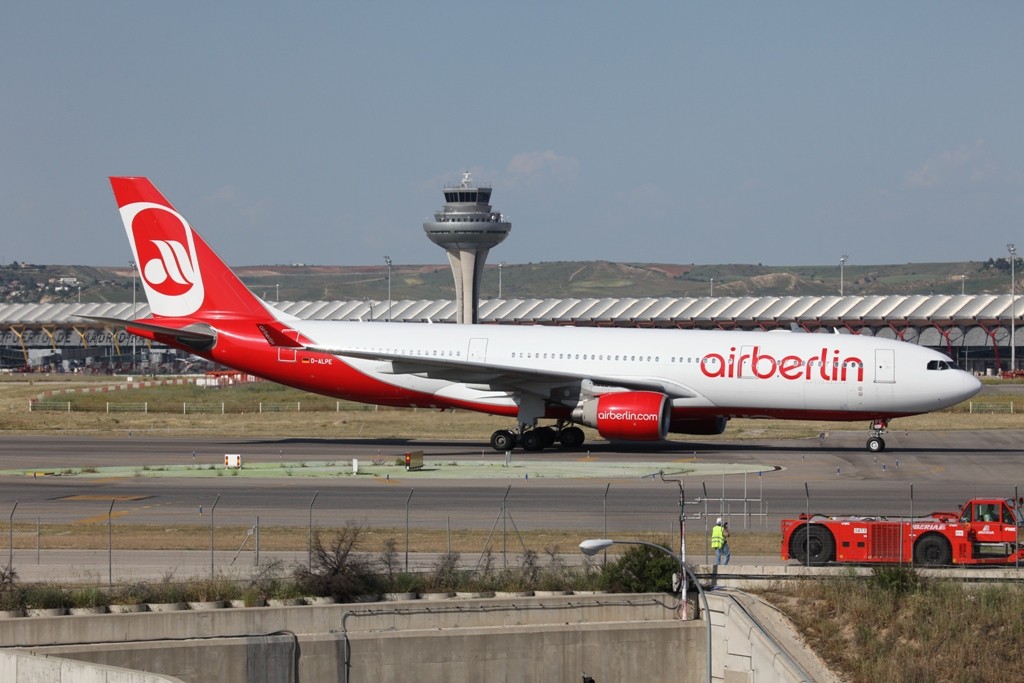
point(983, 532)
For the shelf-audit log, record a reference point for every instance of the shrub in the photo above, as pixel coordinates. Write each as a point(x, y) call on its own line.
point(896, 580)
point(89, 596)
point(641, 570)
point(337, 570)
point(445, 575)
point(210, 590)
point(46, 596)
point(12, 596)
point(130, 594)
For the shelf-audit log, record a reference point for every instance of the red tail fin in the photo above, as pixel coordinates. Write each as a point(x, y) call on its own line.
point(181, 275)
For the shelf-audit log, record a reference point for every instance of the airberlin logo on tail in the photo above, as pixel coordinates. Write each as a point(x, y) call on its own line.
point(171, 272)
point(164, 245)
point(751, 363)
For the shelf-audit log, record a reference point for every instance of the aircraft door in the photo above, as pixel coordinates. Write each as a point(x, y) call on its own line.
point(288, 355)
point(477, 350)
point(885, 366)
point(744, 371)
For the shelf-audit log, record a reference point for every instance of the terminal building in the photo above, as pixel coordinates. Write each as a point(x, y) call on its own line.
point(974, 329)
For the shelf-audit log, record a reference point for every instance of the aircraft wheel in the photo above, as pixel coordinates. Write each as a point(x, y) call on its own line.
point(532, 441)
point(932, 551)
point(503, 440)
point(548, 436)
point(816, 541)
point(572, 437)
point(876, 444)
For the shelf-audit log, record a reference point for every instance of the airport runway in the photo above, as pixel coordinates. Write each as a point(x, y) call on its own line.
point(841, 476)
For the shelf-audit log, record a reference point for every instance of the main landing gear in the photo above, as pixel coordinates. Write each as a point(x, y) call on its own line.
point(876, 444)
point(537, 438)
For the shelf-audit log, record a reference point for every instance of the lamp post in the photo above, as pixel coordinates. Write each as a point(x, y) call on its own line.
point(134, 272)
point(963, 279)
point(1012, 248)
point(593, 546)
point(682, 539)
point(212, 510)
point(712, 286)
point(501, 265)
point(277, 292)
point(842, 266)
point(387, 260)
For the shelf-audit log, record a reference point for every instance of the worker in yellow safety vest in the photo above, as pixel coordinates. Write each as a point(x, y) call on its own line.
point(720, 541)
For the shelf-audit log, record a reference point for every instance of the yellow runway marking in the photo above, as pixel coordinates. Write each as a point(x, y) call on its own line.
point(91, 497)
point(96, 519)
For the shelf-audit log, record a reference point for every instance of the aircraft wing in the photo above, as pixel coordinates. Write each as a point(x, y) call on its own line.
point(501, 377)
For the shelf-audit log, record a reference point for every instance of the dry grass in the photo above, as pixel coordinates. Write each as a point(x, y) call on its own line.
point(321, 418)
point(275, 538)
point(896, 627)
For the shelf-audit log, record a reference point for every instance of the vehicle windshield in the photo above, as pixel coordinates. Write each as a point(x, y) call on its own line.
point(941, 365)
point(1012, 513)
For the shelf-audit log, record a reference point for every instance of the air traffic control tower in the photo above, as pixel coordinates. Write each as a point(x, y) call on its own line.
point(467, 228)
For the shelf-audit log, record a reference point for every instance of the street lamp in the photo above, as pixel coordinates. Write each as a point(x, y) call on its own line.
point(387, 260)
point(501, 265)
point(1012, 248)
point(593, 546)
point(277, 292)
point(712, 286)
point(842, 265)
point(134, 314)
point(963, 279)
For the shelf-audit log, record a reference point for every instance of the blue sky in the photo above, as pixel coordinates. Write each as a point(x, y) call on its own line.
point(781, 133)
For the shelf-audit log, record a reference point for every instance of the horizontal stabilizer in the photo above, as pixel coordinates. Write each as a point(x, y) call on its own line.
point(193, 335)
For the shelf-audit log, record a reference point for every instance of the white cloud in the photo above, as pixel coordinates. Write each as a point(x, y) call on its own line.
point(965, 165)
point(532, 167)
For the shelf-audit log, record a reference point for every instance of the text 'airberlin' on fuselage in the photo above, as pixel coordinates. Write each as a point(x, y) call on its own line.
point(826, 366)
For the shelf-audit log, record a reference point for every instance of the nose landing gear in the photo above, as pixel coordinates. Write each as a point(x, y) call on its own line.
point(876, 444)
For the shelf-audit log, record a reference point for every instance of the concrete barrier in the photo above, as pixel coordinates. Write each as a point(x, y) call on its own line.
point(753, 642)
point(24, 667)
point(610, 637)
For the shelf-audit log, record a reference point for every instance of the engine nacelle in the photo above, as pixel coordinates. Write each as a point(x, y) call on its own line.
point(699, 425)
point(627, 415)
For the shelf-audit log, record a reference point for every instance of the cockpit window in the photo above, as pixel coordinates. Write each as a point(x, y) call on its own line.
point(941, 365)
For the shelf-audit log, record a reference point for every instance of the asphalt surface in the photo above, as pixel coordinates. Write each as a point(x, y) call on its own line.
point(754, 483)
point(944, 468)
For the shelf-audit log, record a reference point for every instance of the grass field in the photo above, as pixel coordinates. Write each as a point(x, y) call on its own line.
point(169, 414)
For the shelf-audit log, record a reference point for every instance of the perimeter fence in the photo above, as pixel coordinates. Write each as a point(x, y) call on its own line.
point(84, 537)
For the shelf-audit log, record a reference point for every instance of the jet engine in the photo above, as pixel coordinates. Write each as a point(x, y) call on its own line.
point(627, 415)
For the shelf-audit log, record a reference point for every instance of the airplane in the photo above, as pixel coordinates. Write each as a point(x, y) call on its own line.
point(628, 384)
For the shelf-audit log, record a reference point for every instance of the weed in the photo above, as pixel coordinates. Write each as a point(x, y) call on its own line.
point(337, 569)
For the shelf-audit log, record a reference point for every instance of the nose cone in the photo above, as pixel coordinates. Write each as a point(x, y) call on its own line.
point(955, 387)
point(969, 385)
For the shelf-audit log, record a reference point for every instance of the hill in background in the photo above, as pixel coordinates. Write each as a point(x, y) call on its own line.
point(24, 283)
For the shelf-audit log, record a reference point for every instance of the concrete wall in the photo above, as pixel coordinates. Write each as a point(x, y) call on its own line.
point(609, 637)
point(22, 667)
point(612, 638)
point(753, 643)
